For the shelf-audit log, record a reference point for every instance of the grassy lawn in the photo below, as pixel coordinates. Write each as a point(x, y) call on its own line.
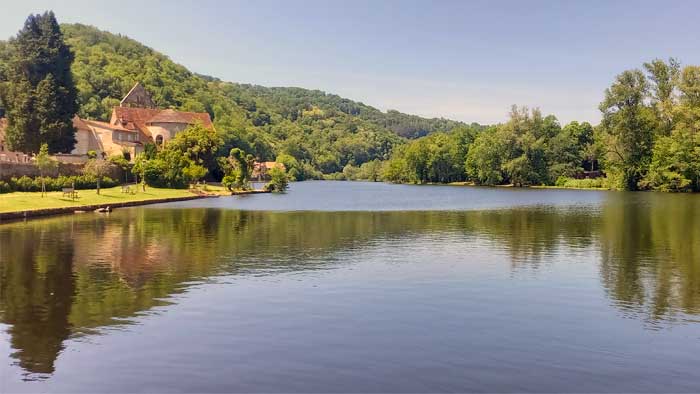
point(21, 201)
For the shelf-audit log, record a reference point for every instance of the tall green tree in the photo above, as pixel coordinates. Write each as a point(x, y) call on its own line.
point(629, 126)
point(675, 164)
point(39, 95)
point(664, 77)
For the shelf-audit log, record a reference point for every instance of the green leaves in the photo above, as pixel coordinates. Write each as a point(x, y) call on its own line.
point(39, 93)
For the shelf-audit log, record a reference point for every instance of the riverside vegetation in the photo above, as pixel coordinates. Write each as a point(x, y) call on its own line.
point(647, 138)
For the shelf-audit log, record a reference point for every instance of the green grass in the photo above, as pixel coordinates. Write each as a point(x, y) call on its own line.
point(23, 201)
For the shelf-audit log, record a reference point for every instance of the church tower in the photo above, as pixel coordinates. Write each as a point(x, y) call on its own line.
point(137, 97)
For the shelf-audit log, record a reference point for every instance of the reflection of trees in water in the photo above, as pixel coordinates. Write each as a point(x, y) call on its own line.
point(68, 275)
point(649, 248)
point(36, 290)
point(533, 236)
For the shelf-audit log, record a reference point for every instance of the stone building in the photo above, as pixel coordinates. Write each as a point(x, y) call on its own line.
point(133, 124)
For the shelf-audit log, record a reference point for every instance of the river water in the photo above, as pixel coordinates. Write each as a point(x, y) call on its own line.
point(355, 287)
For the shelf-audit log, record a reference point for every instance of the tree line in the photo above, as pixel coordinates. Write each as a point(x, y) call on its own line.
point(529, 149)
point(647, 140)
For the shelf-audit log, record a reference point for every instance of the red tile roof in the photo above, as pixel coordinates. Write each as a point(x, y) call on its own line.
point(171, 116)
point(139, 118)
point(109, 126)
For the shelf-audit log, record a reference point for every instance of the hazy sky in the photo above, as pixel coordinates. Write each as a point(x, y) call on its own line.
point(466, 60)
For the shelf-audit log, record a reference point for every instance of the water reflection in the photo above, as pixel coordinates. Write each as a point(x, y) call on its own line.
point(649, 259)
point(66, 276)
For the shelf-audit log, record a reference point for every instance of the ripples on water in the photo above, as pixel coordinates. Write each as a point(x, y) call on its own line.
point(377, 288)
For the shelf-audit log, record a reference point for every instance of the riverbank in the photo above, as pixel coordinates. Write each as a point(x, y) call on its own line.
point(564, 187)
point(255, 191)
point(21, 205)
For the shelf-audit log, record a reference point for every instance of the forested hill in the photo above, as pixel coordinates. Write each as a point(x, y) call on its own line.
point(289, 101)
point(107, 65)
point(325, 130)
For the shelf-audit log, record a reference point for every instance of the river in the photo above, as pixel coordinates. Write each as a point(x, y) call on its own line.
point(356, 287)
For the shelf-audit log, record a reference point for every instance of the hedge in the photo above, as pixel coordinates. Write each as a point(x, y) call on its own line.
point(27, 184)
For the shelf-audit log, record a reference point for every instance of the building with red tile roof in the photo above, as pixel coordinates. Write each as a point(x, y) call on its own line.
point(133, 124)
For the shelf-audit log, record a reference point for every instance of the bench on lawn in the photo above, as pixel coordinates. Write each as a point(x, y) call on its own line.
point(70, 192)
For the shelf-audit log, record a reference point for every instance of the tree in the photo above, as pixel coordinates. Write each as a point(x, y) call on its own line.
point(570, 151)
point(198, 144)
point(279, 181)
point(98, 169)
point(195, 172)
point(664, 77)
point(139, 169)
point(237, 169)
point(485, 158)
point(124, 164)
point(675, 163)
point(39, 93)
point(44, 163)
point(628, 125)
point(689, 86)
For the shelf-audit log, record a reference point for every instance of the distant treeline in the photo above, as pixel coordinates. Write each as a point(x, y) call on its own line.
point(647, 140)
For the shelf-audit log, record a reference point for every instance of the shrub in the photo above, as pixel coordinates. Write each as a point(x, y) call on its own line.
point(588, 183)
point(23, 184)
point(5, 187)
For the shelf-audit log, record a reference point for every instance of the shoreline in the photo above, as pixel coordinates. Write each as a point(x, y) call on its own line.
point(36, 213)
point(244, 192)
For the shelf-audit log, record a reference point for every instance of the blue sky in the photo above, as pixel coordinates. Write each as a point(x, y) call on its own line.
point(466, 60)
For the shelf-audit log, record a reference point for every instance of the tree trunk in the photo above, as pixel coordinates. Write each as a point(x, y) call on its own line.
point(98, 185)
point(43, 183)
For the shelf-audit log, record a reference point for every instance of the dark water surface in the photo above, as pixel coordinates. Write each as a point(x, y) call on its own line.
point(339, 287)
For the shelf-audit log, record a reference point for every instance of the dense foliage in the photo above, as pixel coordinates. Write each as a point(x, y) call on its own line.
point(649, 132)
point(529, 149)
point(238, 168)
point(322, 132)
point(647, 139)
point(37, 89)
point(279, 181)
